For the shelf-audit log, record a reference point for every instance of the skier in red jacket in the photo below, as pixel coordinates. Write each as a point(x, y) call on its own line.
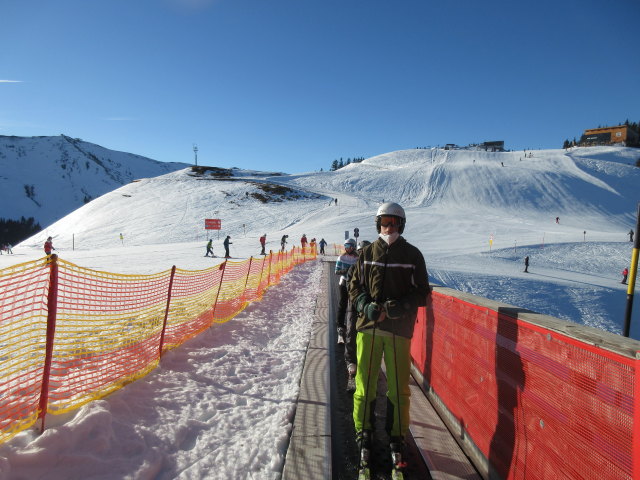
point(48, 246)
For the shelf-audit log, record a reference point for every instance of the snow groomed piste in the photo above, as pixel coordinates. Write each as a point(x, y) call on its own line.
point(70, 335)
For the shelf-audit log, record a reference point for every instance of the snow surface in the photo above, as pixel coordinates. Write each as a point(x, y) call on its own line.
point(225, 400)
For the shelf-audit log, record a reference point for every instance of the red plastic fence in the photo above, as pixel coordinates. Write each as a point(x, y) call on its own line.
point(69, 335)
point(536, 403)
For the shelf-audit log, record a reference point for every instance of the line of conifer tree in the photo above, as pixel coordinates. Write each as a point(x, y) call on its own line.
point(338, 164)
point(15, 231)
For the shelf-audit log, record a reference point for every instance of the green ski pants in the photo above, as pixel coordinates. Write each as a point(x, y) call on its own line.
point(400, 363)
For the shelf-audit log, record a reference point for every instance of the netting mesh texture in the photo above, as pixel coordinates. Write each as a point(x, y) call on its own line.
point(69, 335)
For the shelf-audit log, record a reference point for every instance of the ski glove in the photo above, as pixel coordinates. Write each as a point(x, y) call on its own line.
point(374, 312)
point(397, 308)
point(361, 301)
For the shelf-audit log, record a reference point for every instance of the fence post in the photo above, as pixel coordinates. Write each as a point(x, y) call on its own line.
point(166, 310)
point(244, 292)
point(269, 272)
point(280, 255)
point(52, 311)
point(633, 269)
point(259, 292)
point(223, 267)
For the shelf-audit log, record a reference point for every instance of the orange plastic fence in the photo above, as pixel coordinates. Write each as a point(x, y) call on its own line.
point(536, 403)
point(69, 335)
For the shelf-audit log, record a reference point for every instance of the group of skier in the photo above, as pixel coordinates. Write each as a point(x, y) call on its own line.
point(225, 244)
point(6, 247)
point(382, 284)
point(304, 243)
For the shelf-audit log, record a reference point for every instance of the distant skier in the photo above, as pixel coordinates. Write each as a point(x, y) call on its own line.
point(557, 219)
point(48, 246)
point(122, 239)
point(226, 244)
point(631, 235)
point(303, 242)
point(343, 263)
point(625, 272)
point(209, 248)
point(526, 264)
point(322, 244)
point(263, 243)
point(283, 241)
point(9, 251)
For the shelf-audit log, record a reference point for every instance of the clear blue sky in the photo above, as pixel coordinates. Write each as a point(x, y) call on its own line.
point(291, 85)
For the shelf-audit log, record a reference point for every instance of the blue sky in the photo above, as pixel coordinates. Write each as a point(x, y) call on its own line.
point(292, 85)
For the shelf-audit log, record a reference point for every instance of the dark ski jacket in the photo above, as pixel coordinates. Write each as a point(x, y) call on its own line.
point(396, 272)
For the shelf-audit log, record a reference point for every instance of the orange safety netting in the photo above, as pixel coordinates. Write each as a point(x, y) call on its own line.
point(69, 335)
point(536, 403)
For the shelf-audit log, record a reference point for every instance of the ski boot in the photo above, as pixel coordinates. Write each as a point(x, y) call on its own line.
point(351, 380)
point(341, 335)
point(363, 440)
point(396, 446)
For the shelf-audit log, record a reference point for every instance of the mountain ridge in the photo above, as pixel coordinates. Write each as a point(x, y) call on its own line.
point(48, 177)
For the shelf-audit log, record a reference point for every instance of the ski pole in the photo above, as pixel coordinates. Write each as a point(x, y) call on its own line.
point(395, 363)
point(366, 392)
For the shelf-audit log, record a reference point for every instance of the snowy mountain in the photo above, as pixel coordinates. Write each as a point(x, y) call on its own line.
point(48, 177)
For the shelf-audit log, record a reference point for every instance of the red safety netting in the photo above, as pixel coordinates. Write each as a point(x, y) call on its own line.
point(69, 335)
point(536, 403)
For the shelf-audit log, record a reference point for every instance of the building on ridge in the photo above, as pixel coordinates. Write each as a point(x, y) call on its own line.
point(620, 134)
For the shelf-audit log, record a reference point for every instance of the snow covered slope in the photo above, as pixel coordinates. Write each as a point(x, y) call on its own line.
point(49, 177)
point(474, 215)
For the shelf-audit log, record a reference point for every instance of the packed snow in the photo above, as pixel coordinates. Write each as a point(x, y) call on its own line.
point(221, 405)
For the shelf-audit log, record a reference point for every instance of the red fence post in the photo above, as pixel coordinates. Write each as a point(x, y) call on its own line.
point(223, 267)
point(52, 310)
point(166, 311)
point(244, 292)
point(259, 292)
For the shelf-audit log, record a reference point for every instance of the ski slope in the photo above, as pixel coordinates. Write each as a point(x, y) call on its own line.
point(475, 215)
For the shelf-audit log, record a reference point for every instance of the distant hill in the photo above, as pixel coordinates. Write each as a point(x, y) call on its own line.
point(49, 177)
point(591, 189)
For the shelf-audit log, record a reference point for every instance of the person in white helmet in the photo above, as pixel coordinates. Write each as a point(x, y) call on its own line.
point(343, 263)
point(389, 283)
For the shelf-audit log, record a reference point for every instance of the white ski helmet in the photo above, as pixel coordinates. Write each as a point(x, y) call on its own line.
point(391, 209)
point(363, 244)
point(350, 243)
